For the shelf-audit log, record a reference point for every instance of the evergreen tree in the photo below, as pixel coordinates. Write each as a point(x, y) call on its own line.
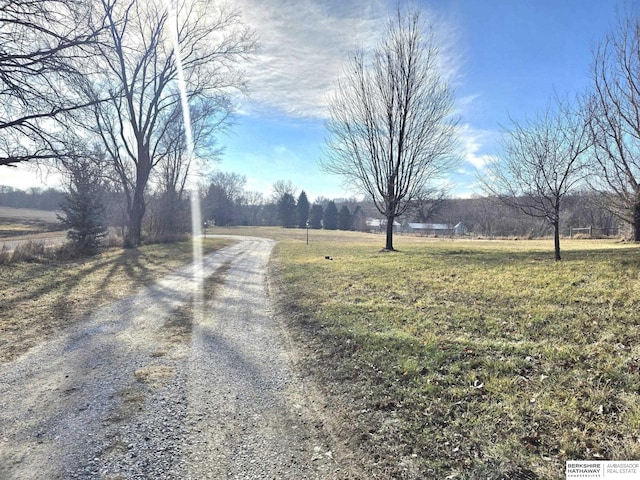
point(345, 221)
point(303, 210)
point(316, 215)
point(287, 211)
point(358, 220)
point(84, 213)
point(331, 216)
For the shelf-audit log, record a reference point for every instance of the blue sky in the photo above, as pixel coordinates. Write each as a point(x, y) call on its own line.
point(506, 58)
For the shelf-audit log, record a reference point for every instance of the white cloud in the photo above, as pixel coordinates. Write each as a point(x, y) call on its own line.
point(467, 101)
point(304, 45)
point(472, 141)
point(282, 150)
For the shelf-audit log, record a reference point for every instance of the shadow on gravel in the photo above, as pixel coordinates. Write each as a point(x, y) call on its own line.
point(95, 381)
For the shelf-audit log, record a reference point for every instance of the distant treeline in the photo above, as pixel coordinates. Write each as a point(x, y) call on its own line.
point(483, 216)
point(37, 198)
point(226, 203)
point(490, 217)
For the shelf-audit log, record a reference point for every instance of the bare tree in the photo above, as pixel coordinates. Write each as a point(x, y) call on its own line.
point(426, 204)
point(175, 169)
point(390, 126)
point(39, 40)
point(542, 162)
point(224, 195)
point(140, 70)
point(252, 203)
point(282, 187)
point(614, 120)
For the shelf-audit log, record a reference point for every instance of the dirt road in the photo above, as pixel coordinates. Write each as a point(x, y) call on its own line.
point(155, 387)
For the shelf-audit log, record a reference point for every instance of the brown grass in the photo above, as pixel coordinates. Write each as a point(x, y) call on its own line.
point(25, 221)
point(469, 359)
point(38, 299)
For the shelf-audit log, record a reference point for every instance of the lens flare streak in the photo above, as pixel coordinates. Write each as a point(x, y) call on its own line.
point(196, 216)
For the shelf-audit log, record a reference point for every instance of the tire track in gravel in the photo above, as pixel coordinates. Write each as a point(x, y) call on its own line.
point(115, 397)
point(243, 396)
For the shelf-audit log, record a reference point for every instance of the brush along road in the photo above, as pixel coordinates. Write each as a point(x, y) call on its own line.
point(168, 384)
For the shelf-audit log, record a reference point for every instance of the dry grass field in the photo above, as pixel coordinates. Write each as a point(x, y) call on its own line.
point(38, 298)
point(24, 221)
point(459, 359)
point(466, 358)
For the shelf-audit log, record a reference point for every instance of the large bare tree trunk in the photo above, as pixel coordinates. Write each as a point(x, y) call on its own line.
point(389, 242)
point(556, 240)
point(136, 214)
point(636, 221)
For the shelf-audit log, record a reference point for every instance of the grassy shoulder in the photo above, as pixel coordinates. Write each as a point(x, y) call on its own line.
point(39, 298)
point(471, 359)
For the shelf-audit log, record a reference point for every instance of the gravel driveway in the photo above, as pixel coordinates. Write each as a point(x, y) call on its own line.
point(140, 391)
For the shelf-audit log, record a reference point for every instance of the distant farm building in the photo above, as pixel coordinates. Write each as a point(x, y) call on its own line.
point(377, 225)
point(460, 229)
point(436, 229)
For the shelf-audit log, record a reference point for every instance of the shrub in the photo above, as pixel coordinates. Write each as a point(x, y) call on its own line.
point(29, 252)
point(84, 213)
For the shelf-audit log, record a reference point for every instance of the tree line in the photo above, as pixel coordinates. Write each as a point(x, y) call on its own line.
point(227, 203)
point(36, 198)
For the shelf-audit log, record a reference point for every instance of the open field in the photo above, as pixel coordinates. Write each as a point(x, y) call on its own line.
point(24, 221)
point(448, 359)
point(469, 359)
point(39, 298)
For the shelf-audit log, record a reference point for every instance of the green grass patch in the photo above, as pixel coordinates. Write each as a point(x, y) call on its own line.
point(472, 359)
point(39, 298)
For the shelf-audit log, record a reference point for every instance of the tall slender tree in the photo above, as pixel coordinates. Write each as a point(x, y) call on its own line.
point(287, 211)
point(331, 216)
point(391, 129)
point(316, 215)
point(345, 220)
point(543, 161)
